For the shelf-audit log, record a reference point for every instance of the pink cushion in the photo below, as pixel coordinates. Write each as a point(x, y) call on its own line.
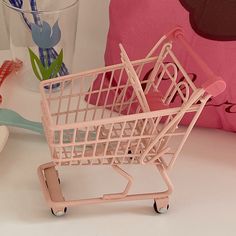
point(155, 102)
point(139, 24)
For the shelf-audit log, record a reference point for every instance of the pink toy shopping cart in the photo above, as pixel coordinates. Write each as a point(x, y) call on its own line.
point(129, 119)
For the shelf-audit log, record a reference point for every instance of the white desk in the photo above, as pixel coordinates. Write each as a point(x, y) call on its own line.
point(203, 202)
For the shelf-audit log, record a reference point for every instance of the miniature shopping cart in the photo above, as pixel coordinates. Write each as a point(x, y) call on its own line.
point(128, 118)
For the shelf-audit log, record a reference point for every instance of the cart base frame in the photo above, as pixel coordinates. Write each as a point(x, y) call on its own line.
point(50, 183)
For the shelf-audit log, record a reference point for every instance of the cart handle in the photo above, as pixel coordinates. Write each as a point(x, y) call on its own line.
point(215, 85)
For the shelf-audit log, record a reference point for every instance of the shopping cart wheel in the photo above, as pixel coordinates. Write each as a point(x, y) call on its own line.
point(60, 212)
point(160, 210)
point(130, 152)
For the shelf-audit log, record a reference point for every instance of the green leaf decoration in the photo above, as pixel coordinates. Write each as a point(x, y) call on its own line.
point(36, 65)
point(44, 73)
point(54, 68)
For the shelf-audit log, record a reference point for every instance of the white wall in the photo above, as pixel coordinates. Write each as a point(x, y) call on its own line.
point(4, 38)
point(92, 33)
point(91, 37)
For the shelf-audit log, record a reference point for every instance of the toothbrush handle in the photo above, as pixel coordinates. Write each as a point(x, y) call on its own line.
point(31, 125)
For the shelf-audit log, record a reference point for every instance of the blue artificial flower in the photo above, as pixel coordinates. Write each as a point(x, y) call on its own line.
point(45, 36)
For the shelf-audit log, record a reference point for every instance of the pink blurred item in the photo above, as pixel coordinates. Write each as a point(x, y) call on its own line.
point(138, 25)
point(154, 99)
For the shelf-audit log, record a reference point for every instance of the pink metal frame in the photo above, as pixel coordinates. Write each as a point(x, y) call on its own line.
point(79, 133)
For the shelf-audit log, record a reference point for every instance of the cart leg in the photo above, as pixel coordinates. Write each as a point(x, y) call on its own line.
point(161, 204)
point(127, 188)
point(50, 183)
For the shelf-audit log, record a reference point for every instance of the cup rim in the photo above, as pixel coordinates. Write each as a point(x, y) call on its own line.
point(7, 4)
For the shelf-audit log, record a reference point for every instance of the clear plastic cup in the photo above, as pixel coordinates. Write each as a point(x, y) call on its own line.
point(42, 34)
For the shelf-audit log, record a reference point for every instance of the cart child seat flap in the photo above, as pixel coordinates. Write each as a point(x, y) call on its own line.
point(150, 99)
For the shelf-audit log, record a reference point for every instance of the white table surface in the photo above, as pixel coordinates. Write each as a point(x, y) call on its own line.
point(203, 203)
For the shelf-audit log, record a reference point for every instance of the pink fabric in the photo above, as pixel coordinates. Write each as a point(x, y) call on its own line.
point(154, 100)
point(138, 25)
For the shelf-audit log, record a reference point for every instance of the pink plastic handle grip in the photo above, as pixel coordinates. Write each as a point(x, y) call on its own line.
point(7, 68)
point(215, 85)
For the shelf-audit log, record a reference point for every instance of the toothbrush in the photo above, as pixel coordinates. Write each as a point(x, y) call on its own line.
point(5, 70)
point(11, 118)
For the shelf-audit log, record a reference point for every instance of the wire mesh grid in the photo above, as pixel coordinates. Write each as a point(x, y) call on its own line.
point(98, 125)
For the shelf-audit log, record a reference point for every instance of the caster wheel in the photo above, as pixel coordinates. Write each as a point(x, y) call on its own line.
point(60, 212)
point(161, 210)
point(130, 152)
